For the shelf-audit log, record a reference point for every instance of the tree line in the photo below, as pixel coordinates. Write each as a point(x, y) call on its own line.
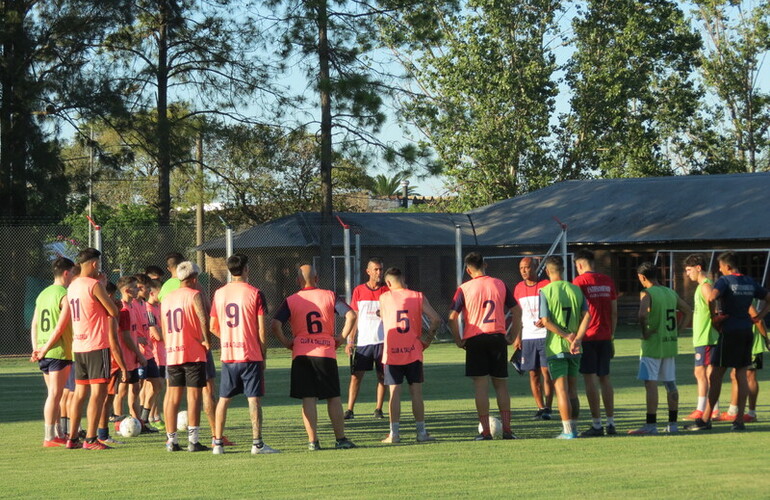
point(278, 106)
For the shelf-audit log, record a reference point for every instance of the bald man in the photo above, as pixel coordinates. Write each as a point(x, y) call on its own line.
point(310, 314)
point(532, 338)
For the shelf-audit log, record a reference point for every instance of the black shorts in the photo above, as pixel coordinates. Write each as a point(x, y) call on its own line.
point(162, 371)
point(757, 362)
point(314, 377)
point(367, 358)
point(394, 374)
point(187, 375)
point(149, 371)
point(133, 377)
point(48, 365)
point(245, 378)
point(211, 368)
point(733, 349)
point(596, 357)
point(92, 367)
point(486, 354)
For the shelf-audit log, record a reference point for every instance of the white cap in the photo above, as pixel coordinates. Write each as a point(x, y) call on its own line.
point(186, 269)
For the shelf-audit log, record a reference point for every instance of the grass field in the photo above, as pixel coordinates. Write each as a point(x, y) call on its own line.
point(715, 464)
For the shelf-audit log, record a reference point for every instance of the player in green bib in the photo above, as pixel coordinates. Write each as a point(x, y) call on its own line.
point(704, 335)
point(52, 344)
point(564, 312)
point(173, 259)
point(657, 317)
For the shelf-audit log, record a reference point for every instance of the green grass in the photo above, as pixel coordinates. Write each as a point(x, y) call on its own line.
point(719, 463)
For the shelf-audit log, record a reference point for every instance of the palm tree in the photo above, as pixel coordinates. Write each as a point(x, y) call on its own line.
point(382, 185)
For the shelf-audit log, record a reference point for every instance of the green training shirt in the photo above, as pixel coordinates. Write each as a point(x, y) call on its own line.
point(662, 322)
point(47, 312)
point(564, 303)
point(703, 332)
point(169, 286)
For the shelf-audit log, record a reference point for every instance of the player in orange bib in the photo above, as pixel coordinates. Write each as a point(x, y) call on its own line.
point(238, 319)
point(483, 301)
point(186, 331)
point(310, 314)
point(91, 312)
point(401, 312)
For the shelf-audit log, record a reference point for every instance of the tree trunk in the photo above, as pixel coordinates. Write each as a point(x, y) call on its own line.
point(164, 155)
point(324, 82)
point(14, 115)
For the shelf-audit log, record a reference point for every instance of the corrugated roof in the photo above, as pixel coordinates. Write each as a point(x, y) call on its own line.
point(597, 211)
point(376, 229)
point(652, 209)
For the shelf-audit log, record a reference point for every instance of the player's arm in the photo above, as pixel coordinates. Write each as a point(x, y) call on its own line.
point(200, 311)
point(33, 337)
point(214, 326)
point(613, 317)
point(100, 294)
point(458, 304)
point(761, 314)
point(516, 315)
point(685, 309)
point(351, 337)
point(115, 350)
point(454, 326)
point(350, 325)
point(61, 325)
point(277, 327)
point(644, 313)
point(435, 322)
point(262, 334)
point(759, 323)
point(515, 333)
point(155, 332)
point(585, 319)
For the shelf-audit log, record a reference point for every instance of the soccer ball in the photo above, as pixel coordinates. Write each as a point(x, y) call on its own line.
point(181, 420)
point(130, 427)
point(495, 427)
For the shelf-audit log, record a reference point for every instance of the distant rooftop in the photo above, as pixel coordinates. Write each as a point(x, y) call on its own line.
point(597, 211)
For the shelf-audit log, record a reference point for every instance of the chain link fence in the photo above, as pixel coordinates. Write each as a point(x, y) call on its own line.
point(29, 250)
point(428, 259)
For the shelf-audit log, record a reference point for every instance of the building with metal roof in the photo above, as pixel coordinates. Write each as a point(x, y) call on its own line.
point(625, 221)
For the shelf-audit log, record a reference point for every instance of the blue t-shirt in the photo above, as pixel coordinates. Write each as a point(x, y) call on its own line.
point(736, 292)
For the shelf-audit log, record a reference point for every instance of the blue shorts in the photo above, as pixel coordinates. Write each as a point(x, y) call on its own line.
point(211, 368)
point(394, 374)
point(48, 365)
point(703, 355)
point(162, 371)
point(242, 378)
point(367, 358)
point(149, 371)
point(596, 357)
point(533, 354)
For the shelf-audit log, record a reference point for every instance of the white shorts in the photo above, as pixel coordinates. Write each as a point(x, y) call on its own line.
point(662, 370)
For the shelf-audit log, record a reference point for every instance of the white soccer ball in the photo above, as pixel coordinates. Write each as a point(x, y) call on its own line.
point(495, 427)
point(130, 427)
point(181, 420)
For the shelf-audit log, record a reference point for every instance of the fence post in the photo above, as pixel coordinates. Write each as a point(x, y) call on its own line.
point(459, 267)
point(229, 248)
point(348, 277)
